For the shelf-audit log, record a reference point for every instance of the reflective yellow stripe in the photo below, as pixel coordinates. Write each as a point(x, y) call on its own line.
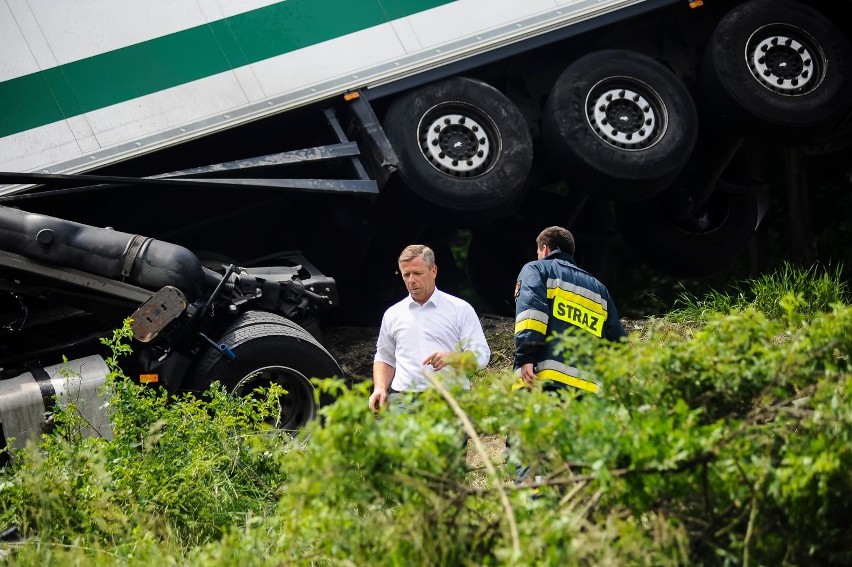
point(548, 374)
point(579, 316)
point(559, 377)
point(577, 299)
point(537, 326)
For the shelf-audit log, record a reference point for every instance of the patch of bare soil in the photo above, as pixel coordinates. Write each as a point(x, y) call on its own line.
point(354, 347)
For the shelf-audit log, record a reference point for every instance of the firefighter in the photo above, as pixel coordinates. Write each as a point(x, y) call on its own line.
point(553, 295)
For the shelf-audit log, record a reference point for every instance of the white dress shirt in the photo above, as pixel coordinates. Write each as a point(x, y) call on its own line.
point(410, 332)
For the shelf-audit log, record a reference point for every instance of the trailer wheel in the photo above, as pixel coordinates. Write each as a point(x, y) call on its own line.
point(619, 124)
point(777, 68)
point(698, 245)
point(463, 147)
point(266, 353)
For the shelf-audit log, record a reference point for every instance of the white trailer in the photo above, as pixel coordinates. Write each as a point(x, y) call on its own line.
point(89, 83)
point(223, 125)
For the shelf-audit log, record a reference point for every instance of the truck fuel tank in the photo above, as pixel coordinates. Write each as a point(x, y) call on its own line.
point(122, 256)
point(27, 401)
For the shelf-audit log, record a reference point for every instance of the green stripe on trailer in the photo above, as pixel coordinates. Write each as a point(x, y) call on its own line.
point(123, 74)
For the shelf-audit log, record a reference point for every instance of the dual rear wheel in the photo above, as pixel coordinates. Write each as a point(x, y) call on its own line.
point(621, 126)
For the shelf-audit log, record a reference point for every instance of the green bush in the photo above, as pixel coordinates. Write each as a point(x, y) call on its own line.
point(720, 443)
point(179, 471)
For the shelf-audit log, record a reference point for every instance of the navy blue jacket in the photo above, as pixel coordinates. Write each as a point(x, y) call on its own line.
point(553, 295)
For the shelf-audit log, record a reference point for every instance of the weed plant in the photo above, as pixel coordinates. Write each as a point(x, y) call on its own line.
point(179, 471)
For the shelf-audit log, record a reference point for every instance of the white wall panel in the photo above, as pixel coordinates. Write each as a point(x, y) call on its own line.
point(469, 17)
point(164, 109)
point(76, 30)
point(233, 7)
point(341, 58)
point(34, 50)
point(82, 131)
point(38, 147)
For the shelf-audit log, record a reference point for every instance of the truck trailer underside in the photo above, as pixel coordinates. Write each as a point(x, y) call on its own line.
point(649, 119)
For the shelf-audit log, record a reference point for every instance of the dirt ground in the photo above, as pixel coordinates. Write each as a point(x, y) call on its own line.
point(354, 347)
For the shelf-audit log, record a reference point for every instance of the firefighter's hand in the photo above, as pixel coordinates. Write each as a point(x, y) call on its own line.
point(378, 399)
point(528, 374)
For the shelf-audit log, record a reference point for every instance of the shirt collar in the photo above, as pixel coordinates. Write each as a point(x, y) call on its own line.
point(433, 299)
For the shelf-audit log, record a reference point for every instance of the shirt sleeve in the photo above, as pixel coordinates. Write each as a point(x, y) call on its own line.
point(531, 316)
point(385, 345)
point(473, 337)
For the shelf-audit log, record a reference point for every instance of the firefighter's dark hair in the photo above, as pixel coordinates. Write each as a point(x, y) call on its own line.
point(556, 237)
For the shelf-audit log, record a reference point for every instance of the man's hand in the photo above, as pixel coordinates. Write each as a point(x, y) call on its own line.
point(382, 378)
point(463, 361)
point(378, 399)
point(528, 374)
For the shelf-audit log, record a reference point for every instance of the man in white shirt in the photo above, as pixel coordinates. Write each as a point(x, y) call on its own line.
point(428, 331)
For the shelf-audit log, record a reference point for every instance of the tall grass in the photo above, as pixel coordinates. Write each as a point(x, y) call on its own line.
point(817, 288)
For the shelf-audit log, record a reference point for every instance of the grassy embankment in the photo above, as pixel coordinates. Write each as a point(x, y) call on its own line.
point(721, 436)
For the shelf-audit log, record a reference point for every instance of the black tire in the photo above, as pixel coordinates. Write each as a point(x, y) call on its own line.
point(269, 352)
point(699, 246)
point(644, 156)
point(797, 90)
point(473, 122)
point(310, 327)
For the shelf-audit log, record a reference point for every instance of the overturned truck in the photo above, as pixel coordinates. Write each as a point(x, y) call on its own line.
point(63, 285)
point(322, 136)
point(241, 130)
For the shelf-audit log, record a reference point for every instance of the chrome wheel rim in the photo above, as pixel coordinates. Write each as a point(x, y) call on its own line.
point(626, 113)
point(459, 140)
point(785, 60)
point(296, 408)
